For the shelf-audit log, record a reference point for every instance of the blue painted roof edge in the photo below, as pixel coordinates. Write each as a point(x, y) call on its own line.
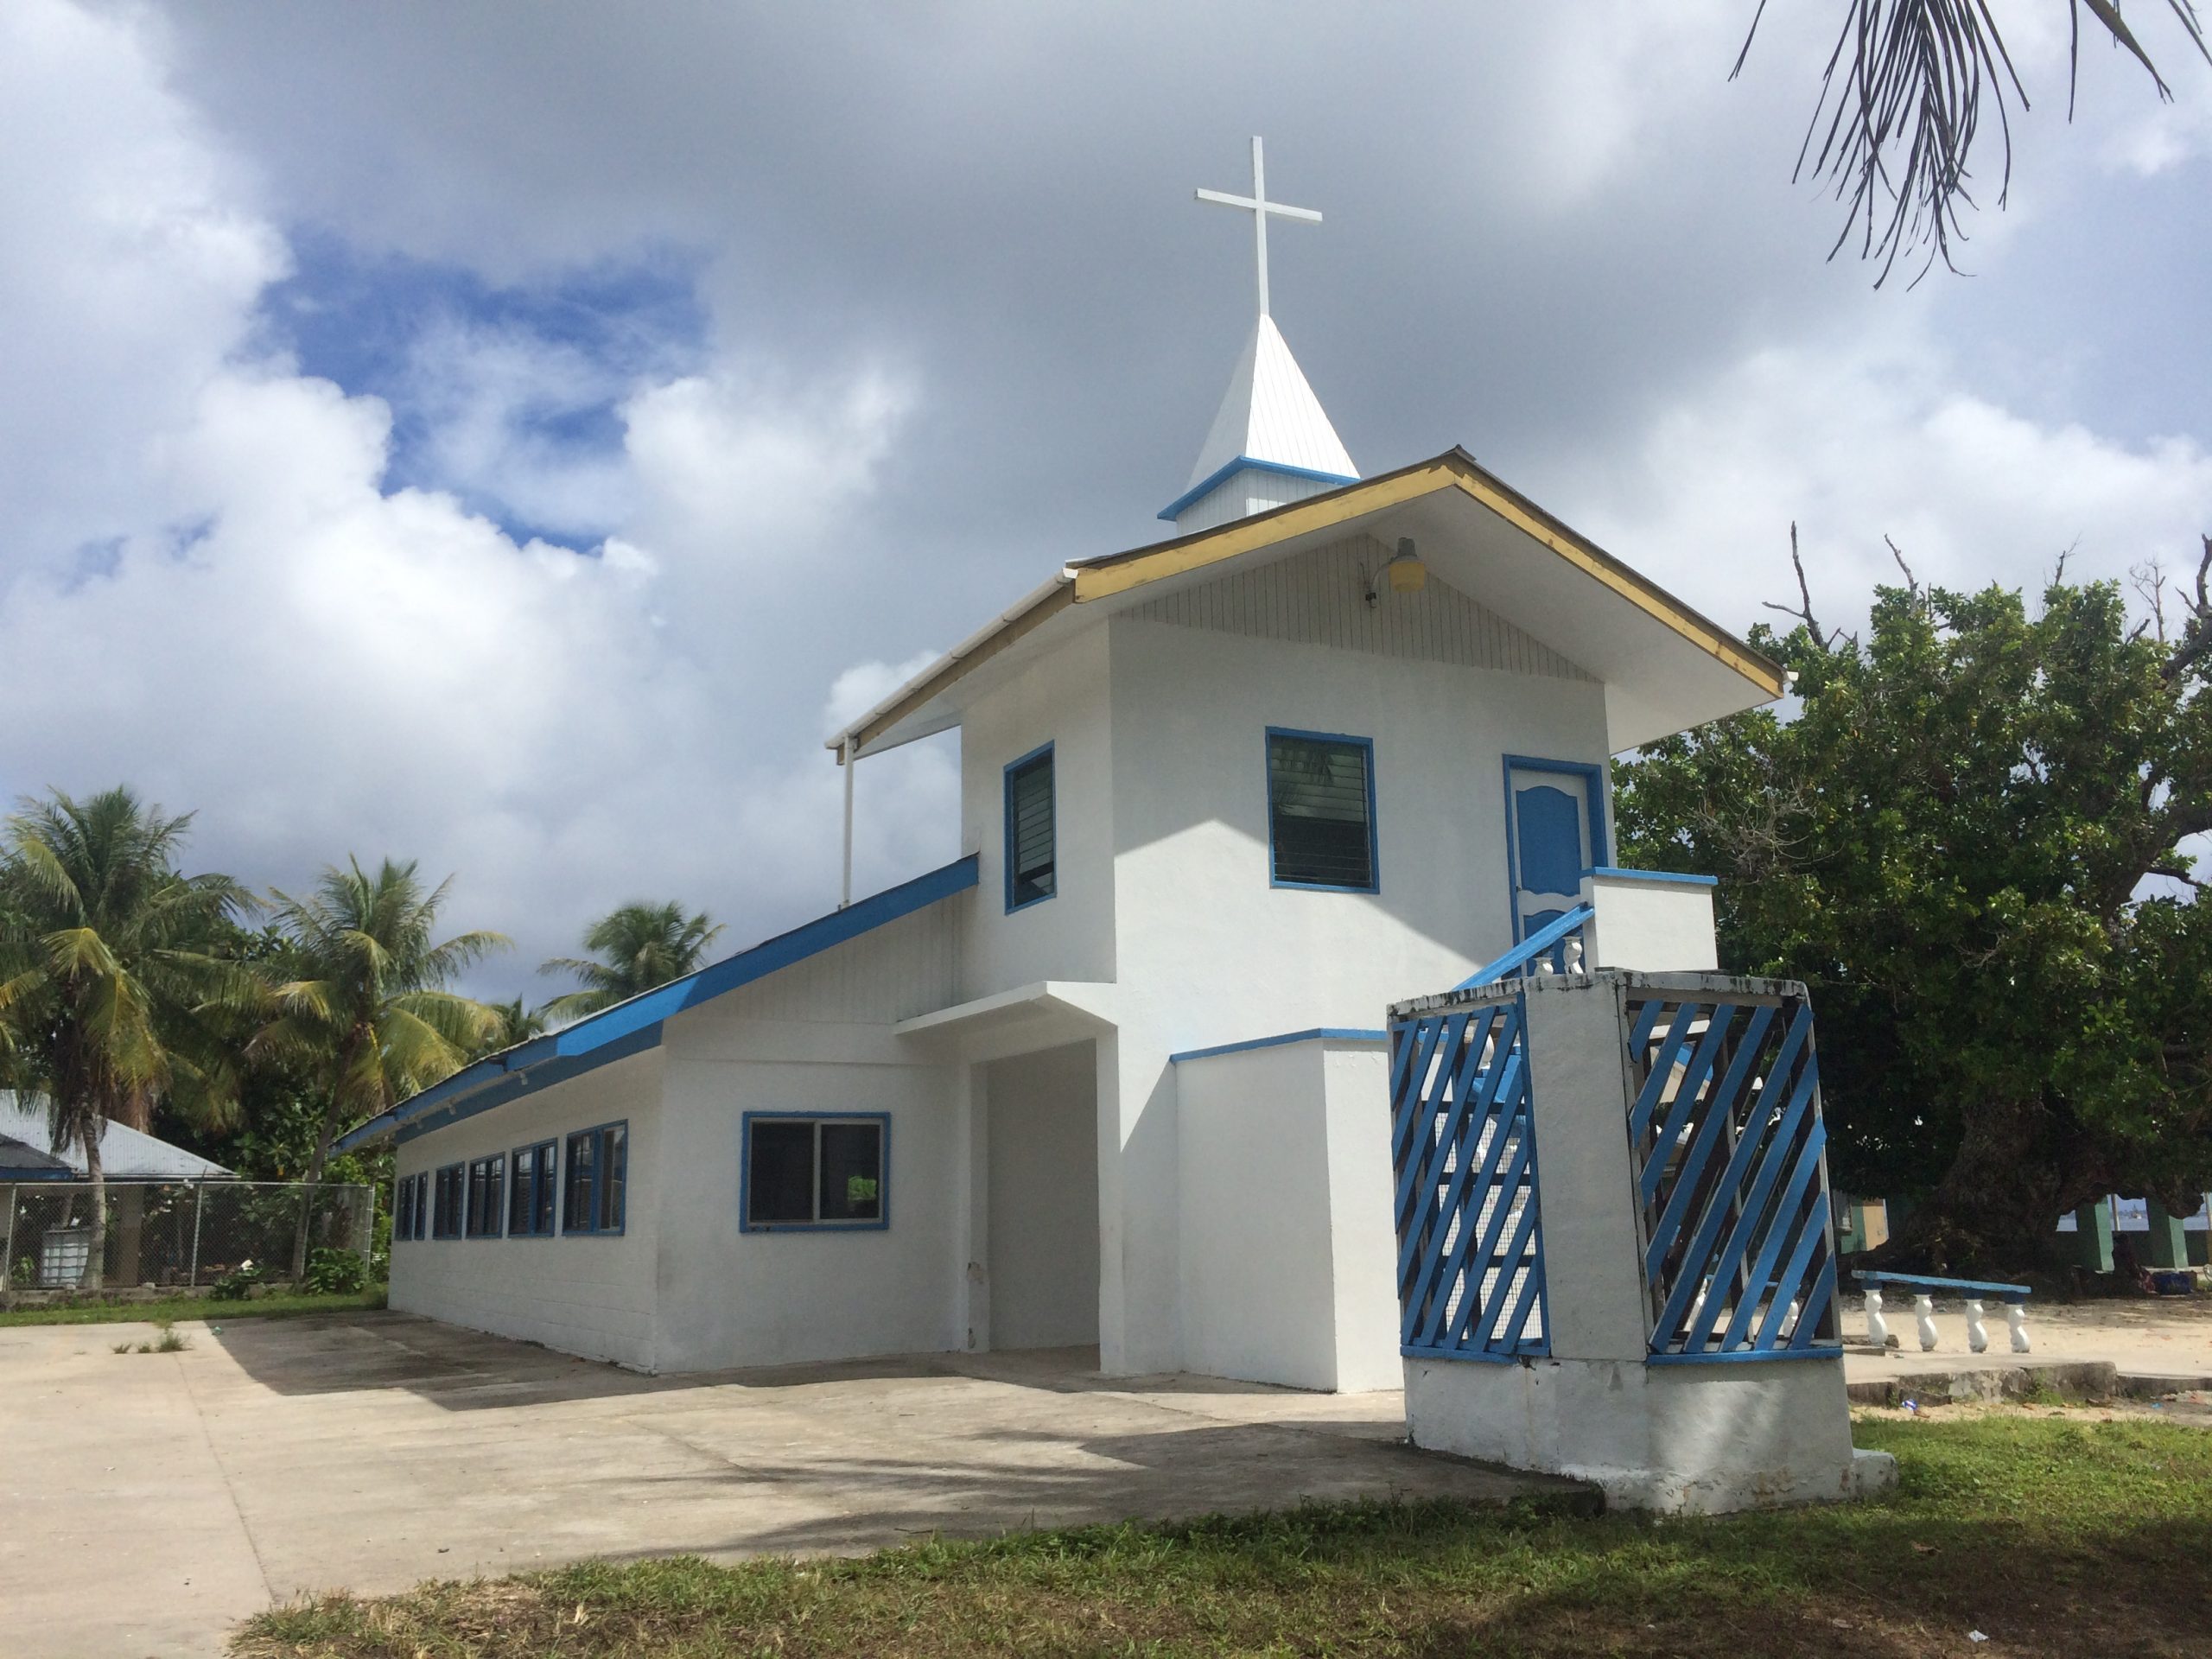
point(1317, 1033)
point(1241, 464)
point(598, 1031)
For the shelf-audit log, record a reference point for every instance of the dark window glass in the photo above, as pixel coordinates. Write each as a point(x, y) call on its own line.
point(781, 1186)
point(452, 1194)
point(576, 1207)
point(522, 1207)
point(852, 1172)
point(1317, 821)
point(1029, 831)
point(541, 1197)
point(613, 1171)
point(422, 1204)
point(402, 1208)
point(487, 1195)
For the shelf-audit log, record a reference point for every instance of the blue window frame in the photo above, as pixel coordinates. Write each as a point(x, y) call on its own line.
point(535, 1176)
point(419, 1210)
point(1321, 811)
point(599, 1170)
point(487, 1196)
point(449, 1199)
point(815, 1172)
point(402, 1208)
point(1031, 831)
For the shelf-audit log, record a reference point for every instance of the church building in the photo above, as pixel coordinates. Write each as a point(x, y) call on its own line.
point(1117, 1075)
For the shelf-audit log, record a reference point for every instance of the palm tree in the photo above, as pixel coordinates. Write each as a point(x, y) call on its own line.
point(638, 946)
point(109, 970)
point(513, 1024)
point(367, 1011)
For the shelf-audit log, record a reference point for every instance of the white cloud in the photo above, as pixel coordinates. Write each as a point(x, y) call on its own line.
point(1860, 441)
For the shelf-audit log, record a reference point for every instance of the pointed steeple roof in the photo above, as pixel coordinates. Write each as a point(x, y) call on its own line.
point(1270, 442)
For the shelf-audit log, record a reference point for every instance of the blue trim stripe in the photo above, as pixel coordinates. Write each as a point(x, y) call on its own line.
point(1982, 1288)
point(1674, 878)
point(1317, 1034)
point(1748, 1355)
point(631, 1026)
point(1246, 463)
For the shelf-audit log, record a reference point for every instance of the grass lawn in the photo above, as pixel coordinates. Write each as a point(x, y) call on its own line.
point(172, 1308)
point(2050, 1537)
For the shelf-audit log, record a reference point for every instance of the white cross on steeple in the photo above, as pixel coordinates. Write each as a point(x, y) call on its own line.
point(1259, 206)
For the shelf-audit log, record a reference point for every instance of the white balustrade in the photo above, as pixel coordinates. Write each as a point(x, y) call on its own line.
point(1924, 1311)
point(1878, 1328)
point(2015, 1316)
point(1977, 1333)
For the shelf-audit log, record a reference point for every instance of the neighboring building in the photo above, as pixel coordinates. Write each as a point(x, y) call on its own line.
point(28, 1152)
point(1116, 1075)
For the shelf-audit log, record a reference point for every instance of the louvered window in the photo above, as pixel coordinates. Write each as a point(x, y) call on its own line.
point(1321, 811)
point(1029, 829)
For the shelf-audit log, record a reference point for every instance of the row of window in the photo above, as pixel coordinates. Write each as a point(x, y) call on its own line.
point(478, 1199)
point(1320, 817)
point(825, 1170)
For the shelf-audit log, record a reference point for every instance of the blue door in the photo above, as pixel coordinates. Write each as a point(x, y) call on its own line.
point(1555, 831)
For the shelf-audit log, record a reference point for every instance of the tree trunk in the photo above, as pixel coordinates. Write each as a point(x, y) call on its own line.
point(323, 1136)
point(2018, 1167)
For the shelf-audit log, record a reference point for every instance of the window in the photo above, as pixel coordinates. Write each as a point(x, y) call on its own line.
point(402, 1208)
point(419, 1208)
point(815, 1172)
point(530, 1210)
point(1321, 811)
point(487, 1189)
point(1029, 837)
point(452, 1192)
point(599, 1165)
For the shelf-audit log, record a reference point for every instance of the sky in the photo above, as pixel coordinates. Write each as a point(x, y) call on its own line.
point(511, 437)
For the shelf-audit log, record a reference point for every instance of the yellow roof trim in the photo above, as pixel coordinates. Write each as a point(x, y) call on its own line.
point(1455, 470)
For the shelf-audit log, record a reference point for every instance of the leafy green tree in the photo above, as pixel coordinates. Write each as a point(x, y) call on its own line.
point(365, 1012)
point(110, 970)
point(1972, 846)
point(636, 947)
point(1970, 843)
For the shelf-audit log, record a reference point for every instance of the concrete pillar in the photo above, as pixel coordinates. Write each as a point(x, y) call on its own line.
point(2093, 1236)
point(2166, 1247)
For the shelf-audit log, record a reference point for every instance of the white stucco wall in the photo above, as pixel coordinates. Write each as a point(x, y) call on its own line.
point(589, 1294)
point(1652, 925)
point(1063, 701)
point(1287, 1272)
point(1210, 951)
point(1042, 1182)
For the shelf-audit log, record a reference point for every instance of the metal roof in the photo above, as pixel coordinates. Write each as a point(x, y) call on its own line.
point(127, 1154)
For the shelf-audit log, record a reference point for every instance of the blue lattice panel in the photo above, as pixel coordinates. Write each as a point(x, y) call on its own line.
point(1725, 1125)
point(1470, 1280)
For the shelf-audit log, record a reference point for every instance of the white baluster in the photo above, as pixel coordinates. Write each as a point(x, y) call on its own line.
point(1977, 1333)
point(2016, 1315)
point(1923, 1310)
point(1878, 1328)
point(1789, 1321)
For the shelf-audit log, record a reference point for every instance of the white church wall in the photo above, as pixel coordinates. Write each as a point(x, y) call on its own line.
point(582, 1294)
point(1042, 1187)
point(1210, 951)
point(1063, 701)
point(1288, 1271)
point(732, 1298)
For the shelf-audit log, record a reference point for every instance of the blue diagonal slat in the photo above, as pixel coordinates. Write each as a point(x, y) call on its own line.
point(1781, 1229)
point(1497, 1110)
point(1691, 1269)
point(1675, 1215)
point(1488, 1331)
point(1771, 1146)
point(1506, 1188)
point(1812, 1233)
point(1663, 1064)
point(1720, 1019)
point(1816, 1305)
point(1747, 1052)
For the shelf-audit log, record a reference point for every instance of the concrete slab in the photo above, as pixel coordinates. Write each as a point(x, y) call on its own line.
point(154, 1500)
point(2137, 1337)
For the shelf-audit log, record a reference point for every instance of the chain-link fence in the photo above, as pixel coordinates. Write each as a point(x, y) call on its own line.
point(176, 1233)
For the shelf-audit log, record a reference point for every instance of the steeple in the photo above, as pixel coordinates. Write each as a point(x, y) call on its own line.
point(1270, 443)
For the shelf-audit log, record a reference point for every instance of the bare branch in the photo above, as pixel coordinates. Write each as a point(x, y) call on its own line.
point(1911, 582)
point(2195, 639)
point(2149, 581)
point(1804, 611)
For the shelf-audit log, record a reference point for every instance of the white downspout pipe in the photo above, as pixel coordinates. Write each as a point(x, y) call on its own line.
point(850, 756)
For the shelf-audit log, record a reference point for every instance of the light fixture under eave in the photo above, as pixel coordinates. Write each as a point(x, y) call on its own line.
point(1406, 574)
